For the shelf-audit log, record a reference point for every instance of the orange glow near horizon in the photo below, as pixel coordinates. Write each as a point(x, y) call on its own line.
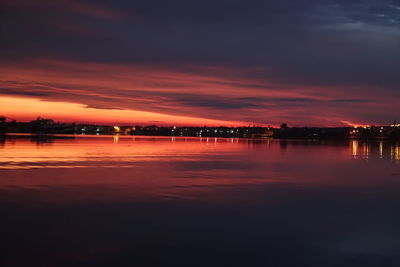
point(25, 109)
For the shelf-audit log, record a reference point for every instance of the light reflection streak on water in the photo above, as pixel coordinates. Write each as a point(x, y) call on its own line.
point(369, 150)
point(354, 145)
point(395, 152)
point(366, 150)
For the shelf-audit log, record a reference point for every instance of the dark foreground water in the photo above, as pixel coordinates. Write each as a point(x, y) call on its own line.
point(144, 201)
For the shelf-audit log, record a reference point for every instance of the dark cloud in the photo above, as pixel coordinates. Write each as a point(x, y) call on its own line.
point(350, 100)
point(209, 101)
point(5, 91)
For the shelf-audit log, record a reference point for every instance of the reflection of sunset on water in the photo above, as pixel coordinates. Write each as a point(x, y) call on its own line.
point(166, 166)
point(165, 181)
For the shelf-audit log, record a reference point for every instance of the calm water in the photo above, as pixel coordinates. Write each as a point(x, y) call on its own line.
point(144, 201)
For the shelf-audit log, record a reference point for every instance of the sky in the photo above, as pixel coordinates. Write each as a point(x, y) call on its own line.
point(209, 62)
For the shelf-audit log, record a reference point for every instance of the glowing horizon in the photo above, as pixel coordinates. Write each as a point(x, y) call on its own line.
point(63, 112)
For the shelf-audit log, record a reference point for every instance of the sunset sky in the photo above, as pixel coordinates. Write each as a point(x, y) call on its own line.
point(227, 62)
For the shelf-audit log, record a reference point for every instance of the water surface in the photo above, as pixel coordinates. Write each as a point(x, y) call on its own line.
point(162, 201)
